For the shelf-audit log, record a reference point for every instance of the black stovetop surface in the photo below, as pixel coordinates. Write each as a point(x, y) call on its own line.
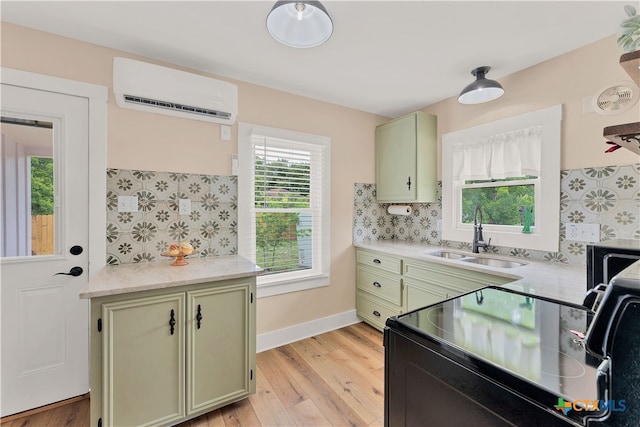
point(535, 339)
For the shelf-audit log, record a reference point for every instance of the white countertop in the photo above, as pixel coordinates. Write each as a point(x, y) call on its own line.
point(125, 278)
point(558, 281)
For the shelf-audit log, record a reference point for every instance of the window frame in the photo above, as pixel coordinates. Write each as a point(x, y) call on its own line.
point(290, 281)
point(545, 234)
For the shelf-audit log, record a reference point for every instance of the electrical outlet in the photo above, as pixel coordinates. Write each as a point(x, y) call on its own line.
point(127, 203)
point(571, 231)
point(582, 232)
point(184, 206)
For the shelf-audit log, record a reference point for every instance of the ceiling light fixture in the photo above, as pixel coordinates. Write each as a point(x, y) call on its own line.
point(300, 24)
point(482, 90)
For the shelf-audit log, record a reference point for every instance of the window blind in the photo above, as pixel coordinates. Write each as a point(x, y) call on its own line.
point(287, 187)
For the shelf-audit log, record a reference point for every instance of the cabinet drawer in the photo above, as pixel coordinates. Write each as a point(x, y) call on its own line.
point(382, 285)
point(381, 261)
point(373, 310)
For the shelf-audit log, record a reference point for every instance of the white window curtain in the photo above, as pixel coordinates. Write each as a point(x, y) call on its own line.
point(504, 155)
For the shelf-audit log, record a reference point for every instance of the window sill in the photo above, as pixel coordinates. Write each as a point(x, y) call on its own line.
point(513, 239)
point(270, 286)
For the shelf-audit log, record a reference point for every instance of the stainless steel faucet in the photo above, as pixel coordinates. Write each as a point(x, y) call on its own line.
point(478, 240)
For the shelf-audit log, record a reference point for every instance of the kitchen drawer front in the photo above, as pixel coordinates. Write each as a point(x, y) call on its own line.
point(382, 261)
point(455, 278)
point(419, 294)
point(382, 285)
point(375, 311)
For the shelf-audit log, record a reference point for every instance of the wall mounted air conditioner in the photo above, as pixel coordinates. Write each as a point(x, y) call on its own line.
point(152, 88)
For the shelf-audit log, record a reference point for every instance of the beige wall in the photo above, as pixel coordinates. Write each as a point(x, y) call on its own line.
point(566, 80)
point(138, 140)
point(145, 141)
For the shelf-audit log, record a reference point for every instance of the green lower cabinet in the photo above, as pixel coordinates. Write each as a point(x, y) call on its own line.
point(418, 294)
point(387, 285)
point(161, 357)
point(375, 311)
point(219, 363)
point(143, 361)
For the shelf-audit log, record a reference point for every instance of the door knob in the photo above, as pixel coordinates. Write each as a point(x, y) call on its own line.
point(75, 272)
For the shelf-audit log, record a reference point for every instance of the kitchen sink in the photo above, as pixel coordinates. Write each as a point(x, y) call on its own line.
point(494, 262)
point(466, 257)
point(446, 254)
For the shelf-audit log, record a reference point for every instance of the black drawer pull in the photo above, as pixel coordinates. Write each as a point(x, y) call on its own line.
point(377, 285)
point(376, 313)
point(376, 261)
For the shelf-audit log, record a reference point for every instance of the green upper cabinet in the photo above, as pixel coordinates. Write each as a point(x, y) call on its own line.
point(406, 159)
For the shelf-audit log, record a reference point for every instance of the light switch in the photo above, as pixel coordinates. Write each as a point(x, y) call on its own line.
point(185, 207)
point(225, 132)
point(234, 164)
point(127, 203)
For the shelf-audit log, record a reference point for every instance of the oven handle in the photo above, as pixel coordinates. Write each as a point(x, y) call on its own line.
point(593, 298)
point(602, 380)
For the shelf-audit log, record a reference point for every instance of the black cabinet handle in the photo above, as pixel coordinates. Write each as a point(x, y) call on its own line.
point(376, 261)
point(408, 183)
point(199, 317)
point(376, 313)
point(75, 272)
point(377, 284)
point(172, 321)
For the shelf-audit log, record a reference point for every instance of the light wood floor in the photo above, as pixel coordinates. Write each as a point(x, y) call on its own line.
point(333, 379)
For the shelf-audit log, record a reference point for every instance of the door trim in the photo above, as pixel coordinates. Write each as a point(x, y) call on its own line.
point(97, 97)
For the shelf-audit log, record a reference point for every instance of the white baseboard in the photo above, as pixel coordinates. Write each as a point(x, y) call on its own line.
point(300, 331)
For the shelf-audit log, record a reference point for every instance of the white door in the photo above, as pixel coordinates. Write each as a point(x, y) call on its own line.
point(44, 218)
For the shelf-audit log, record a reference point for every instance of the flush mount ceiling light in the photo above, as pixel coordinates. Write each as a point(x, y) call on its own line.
point(482, 90)
point(300, 24)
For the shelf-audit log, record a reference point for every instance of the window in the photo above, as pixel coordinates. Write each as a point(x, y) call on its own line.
point(505, 202)
point(283, 205)
point(511, 169)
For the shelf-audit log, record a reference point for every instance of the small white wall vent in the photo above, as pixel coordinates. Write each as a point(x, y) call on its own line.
point(615, 99)
point(152, 88)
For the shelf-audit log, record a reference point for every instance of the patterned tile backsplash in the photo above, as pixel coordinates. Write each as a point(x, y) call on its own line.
point(142, 236)
point(609, 196)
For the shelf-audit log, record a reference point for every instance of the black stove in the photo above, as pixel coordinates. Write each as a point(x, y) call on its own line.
point(495, 357)
point(538, 340)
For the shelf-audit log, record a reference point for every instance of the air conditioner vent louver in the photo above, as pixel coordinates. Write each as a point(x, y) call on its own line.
point(176, 107)
point(154, 89)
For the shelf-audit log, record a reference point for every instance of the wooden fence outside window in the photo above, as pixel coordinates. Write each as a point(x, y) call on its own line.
point(42, 229)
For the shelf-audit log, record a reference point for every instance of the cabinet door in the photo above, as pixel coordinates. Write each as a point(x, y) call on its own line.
point(220, 346)
point(396, 160)
point(143, 361)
